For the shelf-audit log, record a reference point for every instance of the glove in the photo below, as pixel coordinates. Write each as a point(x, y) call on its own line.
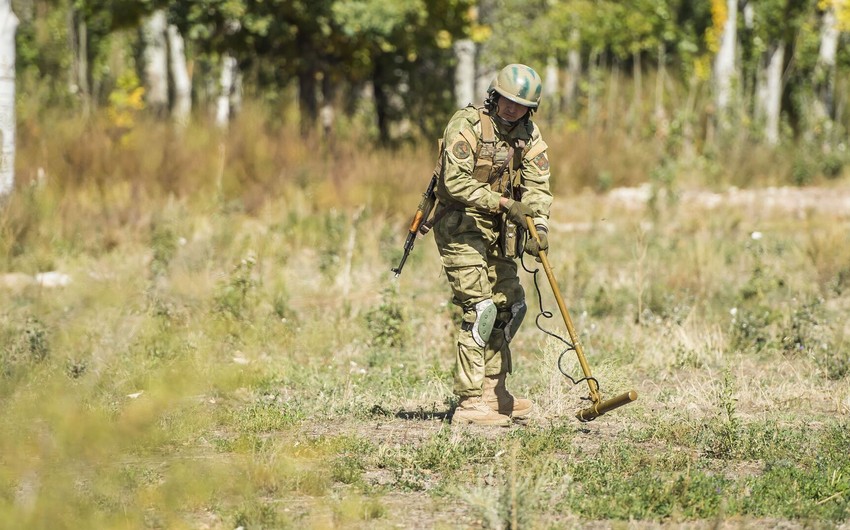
point(517, 212)
point(533, 247)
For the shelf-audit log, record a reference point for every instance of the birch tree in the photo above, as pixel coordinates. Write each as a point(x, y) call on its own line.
point(767, 26)
point(156, 61)
point(8, 26)
point(725, 16)
point(180, 74)
point(227, 85)
point(769, 91)
point(464, 72)
point(825, 71)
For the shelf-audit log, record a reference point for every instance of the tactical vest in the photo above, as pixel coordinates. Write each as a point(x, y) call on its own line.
point(492, 166)
point(491, 156)
point(491, 161)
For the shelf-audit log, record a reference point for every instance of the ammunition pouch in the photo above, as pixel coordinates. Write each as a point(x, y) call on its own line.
point(511, 238)
point(483, 169)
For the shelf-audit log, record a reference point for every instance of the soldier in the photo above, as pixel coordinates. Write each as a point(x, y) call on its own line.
point(495, 172)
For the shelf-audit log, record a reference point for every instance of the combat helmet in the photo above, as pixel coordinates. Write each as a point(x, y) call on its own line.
point(518, 83)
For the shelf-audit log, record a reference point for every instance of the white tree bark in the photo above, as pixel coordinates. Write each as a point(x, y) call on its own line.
point(724, 62)
point(228, 75)
point(550, 78)
point(180, 74)
point(825, 76)
point(573, 73)
point(829, 35)
point(8, 27)
point(464, 72)
point(550, 84)
point(156, 61)
point(769, 91)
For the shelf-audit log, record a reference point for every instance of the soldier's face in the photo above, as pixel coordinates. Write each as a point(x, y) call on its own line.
point(509, 110)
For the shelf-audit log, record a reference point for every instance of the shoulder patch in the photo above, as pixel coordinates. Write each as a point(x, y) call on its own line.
point(461, 149)
point(541, 161)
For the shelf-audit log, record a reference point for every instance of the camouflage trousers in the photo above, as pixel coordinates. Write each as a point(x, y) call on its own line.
point(468, 245)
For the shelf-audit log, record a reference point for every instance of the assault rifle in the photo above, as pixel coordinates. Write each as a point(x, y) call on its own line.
point(419, 225)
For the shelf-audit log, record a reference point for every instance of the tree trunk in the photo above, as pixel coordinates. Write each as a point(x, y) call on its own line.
point(382, 103)
point(308, 103)
point(8, 27)
point(612, 95)
point(593, 74)
point(78, 40)
point(464, 72)
point(327, 114)
point(182, 80)
point(637, 96)
point(724, 61)
point(573, 75)
point(550, 88)
point(308, 100)
point(769, 91)
point(228, 75)
point(658, 109)
point(825, 71)
point(156, 62)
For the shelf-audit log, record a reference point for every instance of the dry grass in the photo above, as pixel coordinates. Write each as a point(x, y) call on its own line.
point(232, 349)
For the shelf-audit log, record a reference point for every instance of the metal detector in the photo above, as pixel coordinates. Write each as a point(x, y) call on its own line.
point(599, 406)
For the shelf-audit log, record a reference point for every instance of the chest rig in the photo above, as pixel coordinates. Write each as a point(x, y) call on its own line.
point(497, 162)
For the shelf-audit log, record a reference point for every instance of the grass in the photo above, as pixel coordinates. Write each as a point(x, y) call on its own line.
point(233, 351)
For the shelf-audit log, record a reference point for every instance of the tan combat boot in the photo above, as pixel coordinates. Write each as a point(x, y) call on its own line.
point(473, 410)
point(498, 399)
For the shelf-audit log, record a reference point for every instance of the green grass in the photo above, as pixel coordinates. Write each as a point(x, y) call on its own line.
point(241, 356)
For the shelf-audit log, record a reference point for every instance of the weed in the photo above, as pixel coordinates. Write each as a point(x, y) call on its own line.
point(233, 295)
point(258, 514)
point(803, 170)
point(164, 246)
point(805, 334)
point(332, 234)
point(23, 345)
point(829, 255)
point(686, 357)
point(266, 414)
point(723, 433)
point(834, 362)
point(387, 324)
point(155, 414)
point(355, 509)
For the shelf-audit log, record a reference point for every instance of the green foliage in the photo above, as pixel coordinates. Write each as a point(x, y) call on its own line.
point(23, 345)
point(805, 333)
point(186, 401)
point(386, 322)
point(233, 297)
point(164, 246)
point(724, 433)
point(755, 317)
point(834, 362)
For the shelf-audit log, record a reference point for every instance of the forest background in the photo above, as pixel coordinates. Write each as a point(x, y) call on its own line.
point(202, 201)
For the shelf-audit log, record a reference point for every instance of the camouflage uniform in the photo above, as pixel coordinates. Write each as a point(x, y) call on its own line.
point(467, 234)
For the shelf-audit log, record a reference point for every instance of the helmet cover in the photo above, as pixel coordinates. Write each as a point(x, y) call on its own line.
point(520, 84)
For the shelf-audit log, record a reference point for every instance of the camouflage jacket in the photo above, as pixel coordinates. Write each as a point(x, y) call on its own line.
point(462, 182)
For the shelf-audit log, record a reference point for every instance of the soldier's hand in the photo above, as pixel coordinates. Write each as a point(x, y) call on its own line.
point(533, 246)
point(517, 212)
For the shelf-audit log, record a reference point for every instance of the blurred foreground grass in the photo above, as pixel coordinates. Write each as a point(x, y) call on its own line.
point(232, 351)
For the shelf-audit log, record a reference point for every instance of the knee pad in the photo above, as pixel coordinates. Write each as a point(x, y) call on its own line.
point(517, 315)
point(485, 318)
